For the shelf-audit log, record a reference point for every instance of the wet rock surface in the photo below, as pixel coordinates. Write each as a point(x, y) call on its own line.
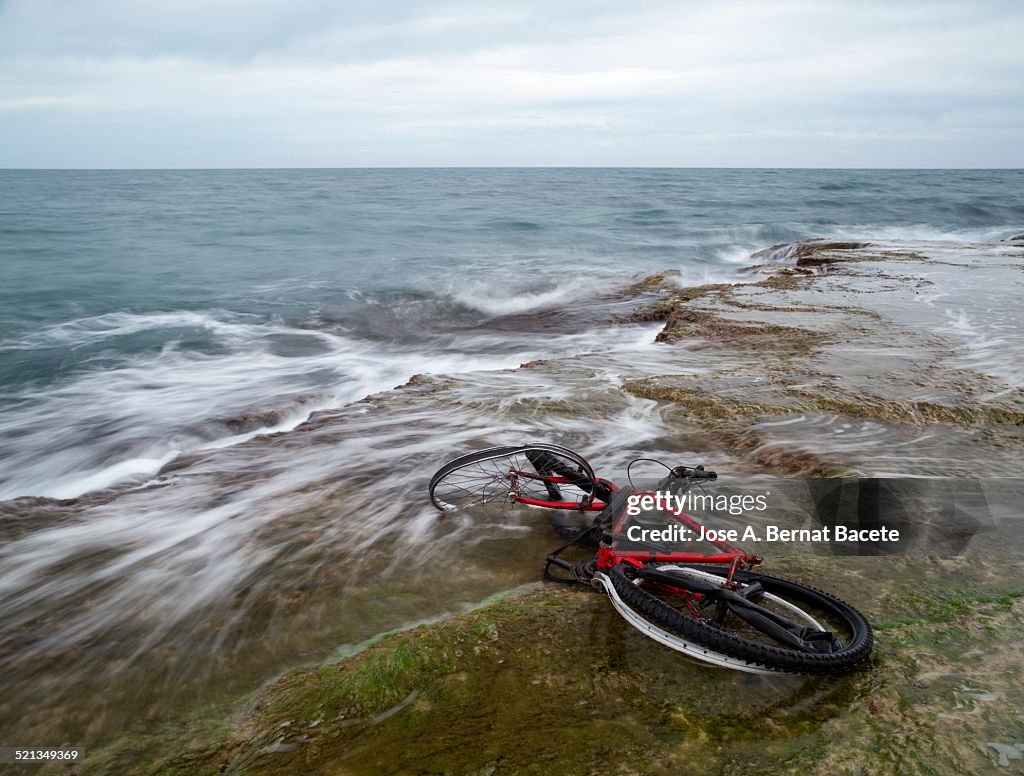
point(840, 346)
point(552, 678)
point(829, 358)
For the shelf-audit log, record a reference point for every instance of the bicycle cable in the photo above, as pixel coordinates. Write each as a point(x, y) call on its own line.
point(638, 460)
point(629, 466)
point(652, 461)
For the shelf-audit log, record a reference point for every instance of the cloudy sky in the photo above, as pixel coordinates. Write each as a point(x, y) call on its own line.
point(721, 83)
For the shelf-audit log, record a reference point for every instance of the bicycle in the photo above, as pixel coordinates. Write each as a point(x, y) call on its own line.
point(714, 607)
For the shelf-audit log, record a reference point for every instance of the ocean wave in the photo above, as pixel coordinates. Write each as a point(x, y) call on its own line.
point(736, 245)
point(515, 225)
point(494, 305)
point(123, 422)
point(847, 186)
point(97, 328)
point(736, 255)
point(922, 233)
point(916, 234)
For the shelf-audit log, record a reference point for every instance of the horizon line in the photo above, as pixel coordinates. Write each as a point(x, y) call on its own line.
point(497, 167)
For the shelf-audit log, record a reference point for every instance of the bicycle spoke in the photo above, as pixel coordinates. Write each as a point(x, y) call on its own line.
point(501, 475)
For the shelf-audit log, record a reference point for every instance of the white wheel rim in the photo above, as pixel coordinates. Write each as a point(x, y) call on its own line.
point(686, 647)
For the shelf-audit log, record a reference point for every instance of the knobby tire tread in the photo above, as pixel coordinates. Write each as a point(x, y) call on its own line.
point(775, 658)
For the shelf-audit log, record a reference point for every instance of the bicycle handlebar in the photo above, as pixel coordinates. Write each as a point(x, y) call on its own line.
point(693, 473)
point(679, 477)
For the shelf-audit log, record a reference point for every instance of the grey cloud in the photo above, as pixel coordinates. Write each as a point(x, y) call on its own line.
point(310, 82)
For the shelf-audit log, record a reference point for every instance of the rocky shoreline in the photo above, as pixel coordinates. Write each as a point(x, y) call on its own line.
point(823, 339)
point(550, 679)
point(847, 359)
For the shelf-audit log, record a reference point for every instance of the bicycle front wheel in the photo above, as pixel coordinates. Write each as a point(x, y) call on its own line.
point(547, 474)
point(766, 624)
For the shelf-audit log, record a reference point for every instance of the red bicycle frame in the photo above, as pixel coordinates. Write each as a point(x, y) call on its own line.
point(608, 554)
point(587, 505)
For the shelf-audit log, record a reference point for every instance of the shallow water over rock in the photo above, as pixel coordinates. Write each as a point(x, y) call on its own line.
point(237, 562)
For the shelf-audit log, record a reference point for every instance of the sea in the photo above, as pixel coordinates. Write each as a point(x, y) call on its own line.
point(206, 477)
point(143, 313)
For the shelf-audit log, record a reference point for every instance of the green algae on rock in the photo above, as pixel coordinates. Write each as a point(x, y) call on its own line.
point(796, 373)
point(551, 678)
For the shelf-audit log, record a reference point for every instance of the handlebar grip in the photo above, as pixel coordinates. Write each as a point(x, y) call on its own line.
point(698, 473)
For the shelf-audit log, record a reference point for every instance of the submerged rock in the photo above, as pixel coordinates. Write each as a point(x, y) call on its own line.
point(666, 279)
point(805, 252)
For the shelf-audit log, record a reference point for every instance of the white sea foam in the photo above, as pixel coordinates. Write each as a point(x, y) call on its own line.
point(493, 296)
point(84, 482)
point(991, 347)
point(93, 329)
point(737, 254)
point(919, 233)
point(519, 303)
point(123, 424)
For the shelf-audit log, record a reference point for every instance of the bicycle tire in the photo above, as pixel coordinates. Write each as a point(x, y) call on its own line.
point(576, 527)
point(487, 477)
point(570, 528)
point(646, 605)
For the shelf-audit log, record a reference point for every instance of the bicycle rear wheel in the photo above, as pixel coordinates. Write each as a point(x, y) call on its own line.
point(501, 475)
point(766, 625)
